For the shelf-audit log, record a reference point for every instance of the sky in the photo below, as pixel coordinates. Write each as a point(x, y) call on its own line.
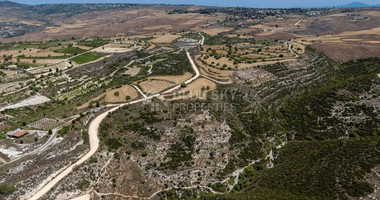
point(229, 3)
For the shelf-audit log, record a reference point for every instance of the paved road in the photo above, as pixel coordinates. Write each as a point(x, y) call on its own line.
point(94, 140)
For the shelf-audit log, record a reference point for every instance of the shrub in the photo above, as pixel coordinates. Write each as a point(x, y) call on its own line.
point(93, 159)
point(7, 189)
point(64, 130)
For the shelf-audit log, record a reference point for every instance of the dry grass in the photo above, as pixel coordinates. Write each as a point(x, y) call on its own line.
point(173, 79)
point(124, 91)
point(215, 31)
point(196, 89)
point(346, 45)
point(32, 52)
point(110, 97)
point(151, 46)
point(7, 71)
point(87, 104)
point(41, 61)
point(119, 22)
point(132, 71)
point(223, 75)
point(114, 48)
point(165, 38)
point(155, 86)
point(229, 63)
point(268, 55)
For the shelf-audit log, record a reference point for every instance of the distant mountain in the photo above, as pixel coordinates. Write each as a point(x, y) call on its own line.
point(355, 5)
point(9, 4)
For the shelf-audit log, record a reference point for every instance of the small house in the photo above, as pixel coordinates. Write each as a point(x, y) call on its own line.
point(17, 133)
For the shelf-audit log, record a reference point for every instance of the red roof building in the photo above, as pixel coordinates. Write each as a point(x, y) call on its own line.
point(17, 133)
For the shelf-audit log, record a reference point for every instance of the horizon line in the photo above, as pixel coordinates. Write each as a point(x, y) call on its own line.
point(184, 4)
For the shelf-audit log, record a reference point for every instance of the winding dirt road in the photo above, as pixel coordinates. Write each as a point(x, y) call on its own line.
point(94, 140)
point(197, 74)
point(291, 50)
point(203, 39)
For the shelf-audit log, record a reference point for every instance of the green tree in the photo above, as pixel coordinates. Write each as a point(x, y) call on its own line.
point(7, 189)
point(93, 159)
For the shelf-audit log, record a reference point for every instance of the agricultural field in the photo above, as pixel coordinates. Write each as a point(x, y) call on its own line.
point(156, 84)
point(86, 57)
point(197, 90)
point(132, 71)
point(123, 94)
point(165, 38)
point(32, 55)
point(243, 55)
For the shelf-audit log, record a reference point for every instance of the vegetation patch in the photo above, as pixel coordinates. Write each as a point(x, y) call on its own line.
point(175, 64)
point(86, 57)
point(6, 189)
point(331, 169)
point(3, 136)
point(94, 43)
point(70, 50)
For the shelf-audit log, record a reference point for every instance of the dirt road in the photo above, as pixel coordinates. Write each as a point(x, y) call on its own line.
point(218, 82)
point(203, 39)
point(299, 21)
point(139, 90)
point(290, 49)
point(94, 140)
point(197, 74)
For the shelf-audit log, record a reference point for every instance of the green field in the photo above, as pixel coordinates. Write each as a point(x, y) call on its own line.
point(86, 57)
point(145, 39)
point(40, 45)
point(26, 65)
point(70, 50)
point(94, 43)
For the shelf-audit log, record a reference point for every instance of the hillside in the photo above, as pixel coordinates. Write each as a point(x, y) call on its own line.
point(129, 101)
point(335, 145)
